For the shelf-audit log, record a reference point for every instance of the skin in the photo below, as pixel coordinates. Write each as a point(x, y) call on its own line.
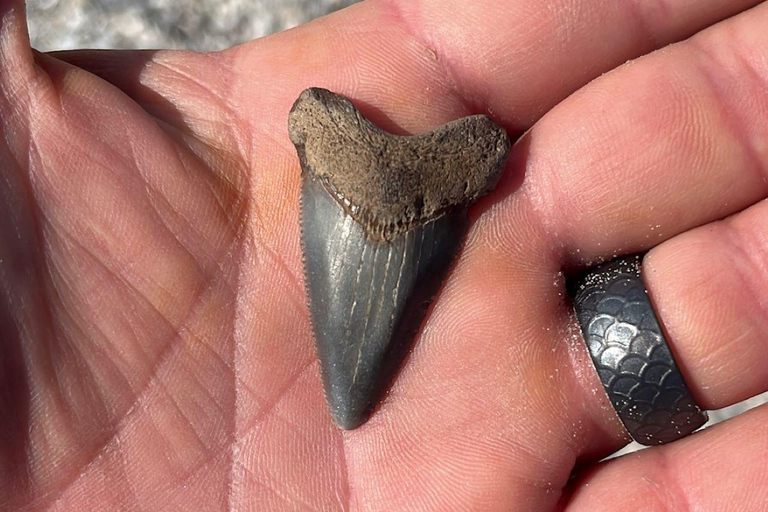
point(156, 345)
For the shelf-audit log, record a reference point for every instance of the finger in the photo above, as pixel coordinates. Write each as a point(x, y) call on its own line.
point(699, 158)
point(14, 39)
point(710, 287)
point(599, 209)
point(446, 59)
point(491, 53)
point(423, 63)
point(659, 146)
point(16, 59)
point(721, 468)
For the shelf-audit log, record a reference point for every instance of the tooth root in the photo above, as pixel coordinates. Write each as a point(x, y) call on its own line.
point(367, 298)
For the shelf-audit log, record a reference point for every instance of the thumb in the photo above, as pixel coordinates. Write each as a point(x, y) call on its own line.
point(16, 58)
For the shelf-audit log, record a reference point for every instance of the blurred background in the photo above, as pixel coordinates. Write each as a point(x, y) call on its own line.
point(196, 25)
point(179, 24)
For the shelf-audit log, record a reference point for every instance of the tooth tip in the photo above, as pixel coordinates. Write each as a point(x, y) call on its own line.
point(351, 415)
point(351, 390)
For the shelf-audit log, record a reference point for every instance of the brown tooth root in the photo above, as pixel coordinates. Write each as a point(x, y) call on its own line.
point(390, 184)
point(382, 219)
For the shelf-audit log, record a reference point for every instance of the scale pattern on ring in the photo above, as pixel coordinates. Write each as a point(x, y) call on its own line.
point(631, 354)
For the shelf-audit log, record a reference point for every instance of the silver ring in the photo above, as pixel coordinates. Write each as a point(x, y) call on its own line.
point(630, 352)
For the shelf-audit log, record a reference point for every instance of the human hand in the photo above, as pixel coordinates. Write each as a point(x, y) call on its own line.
point(157, 352)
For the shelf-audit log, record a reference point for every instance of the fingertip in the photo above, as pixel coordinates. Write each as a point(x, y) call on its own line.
point(16, 57)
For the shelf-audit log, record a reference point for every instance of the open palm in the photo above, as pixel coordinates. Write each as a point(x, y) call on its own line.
point(156, 347)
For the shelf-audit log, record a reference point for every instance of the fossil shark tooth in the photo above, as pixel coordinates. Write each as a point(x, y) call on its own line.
point(382, 220)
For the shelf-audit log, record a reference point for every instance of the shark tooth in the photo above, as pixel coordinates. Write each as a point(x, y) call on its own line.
point(383, 218)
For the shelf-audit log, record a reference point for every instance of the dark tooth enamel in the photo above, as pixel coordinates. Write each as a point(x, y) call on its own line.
point(382, 218)
point(367, 298)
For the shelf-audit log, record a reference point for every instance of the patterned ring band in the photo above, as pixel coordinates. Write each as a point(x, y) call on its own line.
point(631, 355)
